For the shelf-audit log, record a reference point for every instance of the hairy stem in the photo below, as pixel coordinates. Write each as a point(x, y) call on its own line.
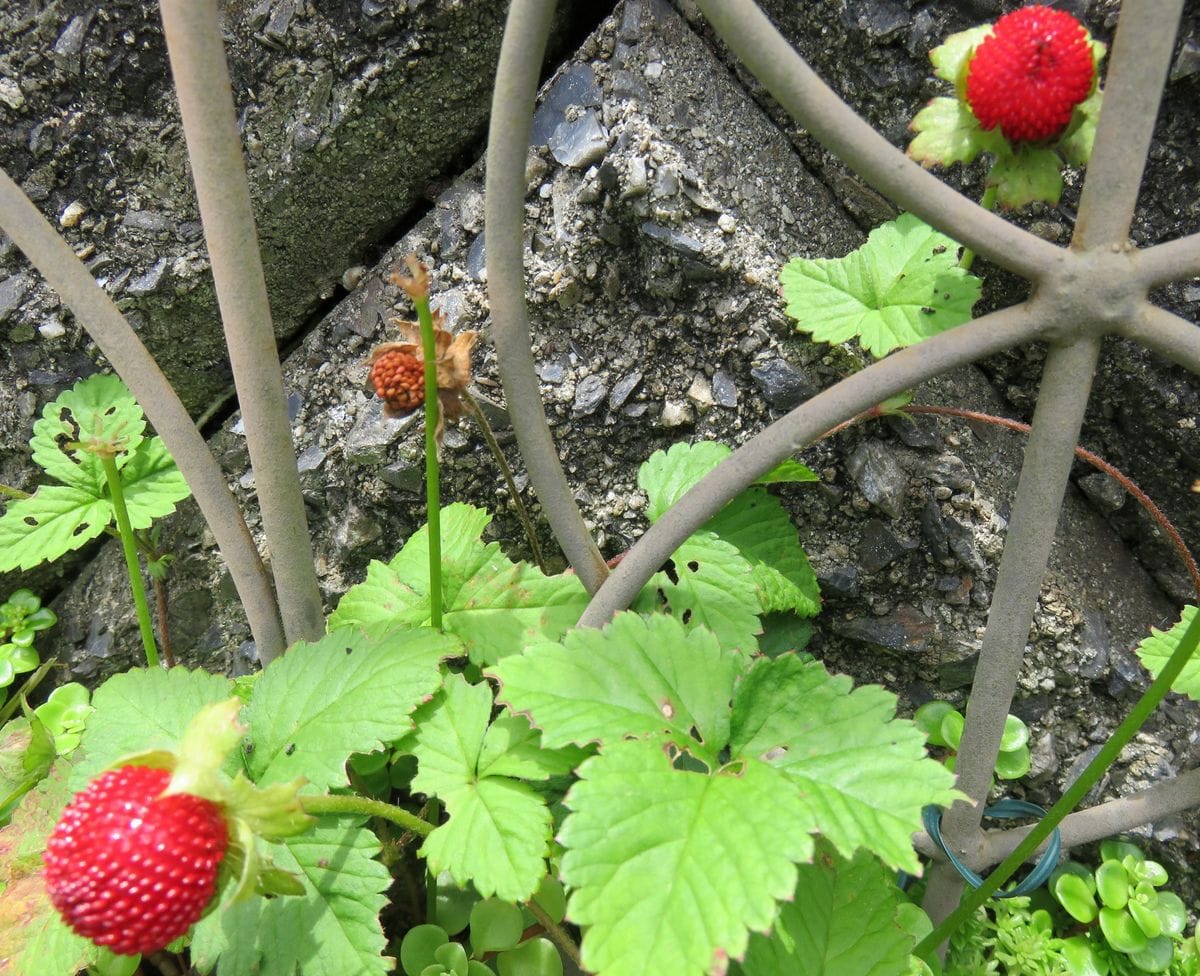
point(336, 804)
point(432, 486)
point(489, 435)
point(164, 630)
point(557, 933)
point(129, 546)
point(1077, 791)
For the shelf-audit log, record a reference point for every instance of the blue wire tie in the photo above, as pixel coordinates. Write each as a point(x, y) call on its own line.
point(1004, 810)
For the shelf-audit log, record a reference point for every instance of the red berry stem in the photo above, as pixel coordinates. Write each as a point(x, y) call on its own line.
point(335, 803)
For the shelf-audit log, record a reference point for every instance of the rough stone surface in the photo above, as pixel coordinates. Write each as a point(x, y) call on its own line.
point(632, 273)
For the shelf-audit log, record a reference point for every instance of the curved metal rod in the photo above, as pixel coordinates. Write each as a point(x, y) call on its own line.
point(1138, 67)
point(789, 79)
point(898, 372)
point(1169, 335)
point(53, 257)
point(1107, 819)
point(206, 108)
point(525, 34)
point(1170, 261)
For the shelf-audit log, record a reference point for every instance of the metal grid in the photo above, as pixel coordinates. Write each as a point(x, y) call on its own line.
point(1097, 286)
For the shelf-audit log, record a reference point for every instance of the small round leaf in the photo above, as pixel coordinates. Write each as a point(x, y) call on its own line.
point(1156, 957)
point(1013, 765)
point(454, 904)
point(1147, 919)
point(537, 957)
point(418, 947)
point(1121, 931)
point(1116, 850)
point(1150, 871)
point(1112, 884)
point(952, 728)
point(1015, 735)
point(928, 718)
point(551, 897)
point(1172, 912)
point(1074, 895)
point(1081, 957)
point(453, 957)
point(495, 925)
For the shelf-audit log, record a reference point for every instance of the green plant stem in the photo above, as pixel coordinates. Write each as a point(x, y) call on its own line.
point(35, 679)
point(474, 409)
point(129, 545)
point(326, 804)
point(160, 597)
point(988, 203)
point(14, 493)
point(1078, 790)
point(432, 487)
point(433, 810)
point(557, 933)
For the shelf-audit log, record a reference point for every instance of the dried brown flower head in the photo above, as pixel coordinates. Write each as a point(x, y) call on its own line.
point(397, 370)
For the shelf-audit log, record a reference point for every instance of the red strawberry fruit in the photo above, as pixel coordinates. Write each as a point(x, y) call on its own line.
point(131, 869)
point(1028, 75)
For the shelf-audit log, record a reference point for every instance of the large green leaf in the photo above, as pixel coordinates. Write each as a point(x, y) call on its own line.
point(636, 676)
point(141, 710)
point(1157, 649)
point(670, 869)
point(902, 286)
point(332, 929)
point(352, 691)
point(152, 484)
point(841, 922)
point(863, 773)
point(498, 832)
point(54, 520)
point(493, 605)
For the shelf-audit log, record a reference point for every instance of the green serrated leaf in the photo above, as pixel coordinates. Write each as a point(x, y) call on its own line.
point(951, 57)
point(493, 605)
point(52, 521)
point(1028, 174)
point(349, 692)
point(498, 833)
point(333, 928)
point(788, 472)
point(947, 132)
point(98, 410)
point(152, 483)
point(646, 676)
point(670, 869)
point(667, 475)
point(714, 587)
point(144, 709)
point(762, 531)
point(902, 286)
point(1155, 650)
point(512, 747)
point(754, 522)
point(864, 774)
point(841, 922)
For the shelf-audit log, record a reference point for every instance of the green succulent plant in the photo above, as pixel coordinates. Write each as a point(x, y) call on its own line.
point(21, 617)
point(942, 724)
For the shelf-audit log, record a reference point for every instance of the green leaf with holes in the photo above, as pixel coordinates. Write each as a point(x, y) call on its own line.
point(349, 692)
point(52, 521)
point(493, 605)
point(755, 523)
point(902, 286)
point(497, 836)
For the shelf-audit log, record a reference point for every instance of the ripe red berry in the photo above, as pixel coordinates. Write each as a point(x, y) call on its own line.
point(130, 869)
point(1028, 75)
point(399, 380)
